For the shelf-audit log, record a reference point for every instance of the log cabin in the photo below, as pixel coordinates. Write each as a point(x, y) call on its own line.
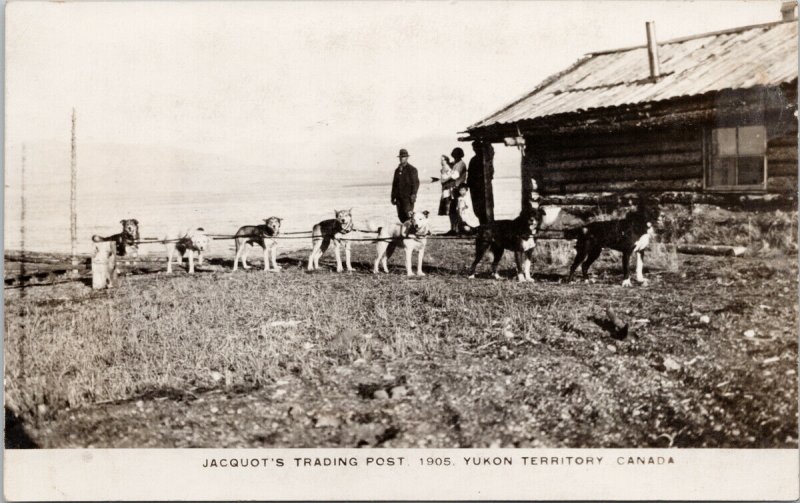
point(705, 124)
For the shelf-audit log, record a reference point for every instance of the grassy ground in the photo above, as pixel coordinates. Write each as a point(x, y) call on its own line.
point(301, 360)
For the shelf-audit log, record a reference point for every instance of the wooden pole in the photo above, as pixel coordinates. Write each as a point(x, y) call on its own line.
point(22, 217)
point(525, 177)
point(73, 223)
point(652, 50)
point(488, 175)
point(530, 185)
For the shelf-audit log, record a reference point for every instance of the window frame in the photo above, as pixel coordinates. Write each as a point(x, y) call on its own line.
point(708, 158)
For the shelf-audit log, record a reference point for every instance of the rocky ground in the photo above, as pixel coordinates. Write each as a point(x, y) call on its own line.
point(293, 359)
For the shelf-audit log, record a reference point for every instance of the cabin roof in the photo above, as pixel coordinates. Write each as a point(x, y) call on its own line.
point(739, 58)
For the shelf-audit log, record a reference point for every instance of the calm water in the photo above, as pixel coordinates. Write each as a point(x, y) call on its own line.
point(46, 221)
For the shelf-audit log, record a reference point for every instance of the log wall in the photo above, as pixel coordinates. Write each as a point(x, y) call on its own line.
point(652, 161)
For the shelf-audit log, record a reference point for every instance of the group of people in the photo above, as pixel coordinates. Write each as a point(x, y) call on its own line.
point(459, 182)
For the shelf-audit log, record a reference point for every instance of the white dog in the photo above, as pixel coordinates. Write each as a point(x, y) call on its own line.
point(411, 235)
point(186, 242)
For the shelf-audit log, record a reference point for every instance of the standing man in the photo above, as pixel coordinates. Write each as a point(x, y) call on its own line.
point(477, 182)
point(404, 187)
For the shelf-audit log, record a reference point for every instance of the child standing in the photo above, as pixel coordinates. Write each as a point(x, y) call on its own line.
point(463, 210)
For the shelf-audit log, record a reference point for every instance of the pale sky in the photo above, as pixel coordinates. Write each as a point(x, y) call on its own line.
point(285, 84)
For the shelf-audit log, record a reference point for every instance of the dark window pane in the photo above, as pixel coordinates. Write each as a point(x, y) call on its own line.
point(751, 170)
point(752, 140)
point(723, 171)
point(723, 141)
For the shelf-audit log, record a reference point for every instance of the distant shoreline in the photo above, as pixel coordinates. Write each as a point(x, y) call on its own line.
point(387, 184)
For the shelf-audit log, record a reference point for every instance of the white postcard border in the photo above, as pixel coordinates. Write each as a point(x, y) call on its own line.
point(169, 474)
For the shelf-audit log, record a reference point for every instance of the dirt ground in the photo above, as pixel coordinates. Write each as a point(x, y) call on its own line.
point(293, 359)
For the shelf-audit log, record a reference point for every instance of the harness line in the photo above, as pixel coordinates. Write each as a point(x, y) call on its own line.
point(223, 237)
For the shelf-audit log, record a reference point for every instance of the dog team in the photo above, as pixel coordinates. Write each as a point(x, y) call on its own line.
point(630, 235)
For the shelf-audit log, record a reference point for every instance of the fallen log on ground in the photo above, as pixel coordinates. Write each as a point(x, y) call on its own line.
point(717, 250)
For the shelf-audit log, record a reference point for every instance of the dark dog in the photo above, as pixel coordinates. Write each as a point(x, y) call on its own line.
point(332, 230)
point(629, 235)
point(518, 235)
point(128, 237)
point(260, 235)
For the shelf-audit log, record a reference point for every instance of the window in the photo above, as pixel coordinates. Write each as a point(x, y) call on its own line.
point(738, 158)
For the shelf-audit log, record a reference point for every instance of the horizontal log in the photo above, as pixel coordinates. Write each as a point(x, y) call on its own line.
point(34, 268)
point(551, 141)
point(641, 173)
point(718, 250)
point(782, 168)
point(781, 126)
point(649, 185)
point(41, 257)
point(782, 153)
point(732, 201)
point(692, 120)
point(561, 152)
point(782, 183)
point(785, 140)
point(672, 159)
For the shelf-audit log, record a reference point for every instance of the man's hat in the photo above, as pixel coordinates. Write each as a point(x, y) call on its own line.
point(403, 153)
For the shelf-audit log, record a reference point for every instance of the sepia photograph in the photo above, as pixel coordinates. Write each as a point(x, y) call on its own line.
point(401, 225)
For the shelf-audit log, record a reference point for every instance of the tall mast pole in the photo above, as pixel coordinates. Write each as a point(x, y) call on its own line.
point(73, 223)
point(22, 211)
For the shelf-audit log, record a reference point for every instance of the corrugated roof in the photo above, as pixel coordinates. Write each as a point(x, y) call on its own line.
point(762, 55)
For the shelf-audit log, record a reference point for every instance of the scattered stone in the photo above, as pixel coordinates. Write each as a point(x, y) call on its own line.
point(380, 394)
point(214, 410)
point(216, 376)
point(508, 334)
point(671, 364)
point(359, 362)
point(327, 422)
point(705, 320)
point(140, 404)
point(658, 364)
point(612, 348)
point(750, 333)
point(308, 346)
point(399, 392)
point(287, 323)
point(41, 409)
point(770, 361)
